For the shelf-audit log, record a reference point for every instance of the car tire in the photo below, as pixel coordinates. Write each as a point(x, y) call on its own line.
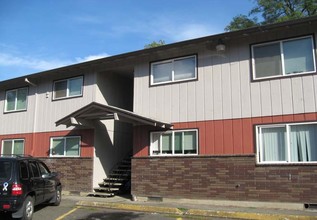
point(58, 196)
point(28, 208)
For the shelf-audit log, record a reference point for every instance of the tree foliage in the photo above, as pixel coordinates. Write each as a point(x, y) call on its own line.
point(273, 11)
point(154, 44)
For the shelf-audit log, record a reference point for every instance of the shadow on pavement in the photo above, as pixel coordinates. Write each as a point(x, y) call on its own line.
point(112, 216)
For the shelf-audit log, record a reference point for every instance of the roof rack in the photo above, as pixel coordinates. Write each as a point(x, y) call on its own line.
point(15, 155)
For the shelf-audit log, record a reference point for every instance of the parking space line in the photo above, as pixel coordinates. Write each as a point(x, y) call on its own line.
point(66, 214)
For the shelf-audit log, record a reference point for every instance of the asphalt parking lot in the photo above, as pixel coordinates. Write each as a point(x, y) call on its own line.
point(69, 211)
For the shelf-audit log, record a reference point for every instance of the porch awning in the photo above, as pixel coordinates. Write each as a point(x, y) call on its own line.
point(97, 111)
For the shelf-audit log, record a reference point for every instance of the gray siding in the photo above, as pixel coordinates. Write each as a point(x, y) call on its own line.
point(224, 89)
point(42, 112)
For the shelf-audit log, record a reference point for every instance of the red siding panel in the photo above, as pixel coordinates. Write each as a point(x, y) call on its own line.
point(237, 136)
point(227, 137)
point(38, 144)
point(210, 138)
point(221, 137)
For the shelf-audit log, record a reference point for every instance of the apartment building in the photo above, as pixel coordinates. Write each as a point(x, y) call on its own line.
point(230, 116)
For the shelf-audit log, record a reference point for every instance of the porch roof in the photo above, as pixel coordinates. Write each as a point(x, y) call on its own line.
point(97, 111)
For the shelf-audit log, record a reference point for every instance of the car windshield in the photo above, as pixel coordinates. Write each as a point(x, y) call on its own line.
point(5, 170)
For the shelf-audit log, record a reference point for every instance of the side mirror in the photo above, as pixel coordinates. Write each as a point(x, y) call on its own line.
point(49, 175)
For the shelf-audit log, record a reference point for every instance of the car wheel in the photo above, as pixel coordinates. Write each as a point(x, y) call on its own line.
point(28, 208)
point(58, 196)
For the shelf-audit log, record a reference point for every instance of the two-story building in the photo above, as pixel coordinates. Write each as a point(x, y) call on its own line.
point(230, 116)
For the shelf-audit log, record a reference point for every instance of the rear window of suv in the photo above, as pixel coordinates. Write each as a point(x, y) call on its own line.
point(5, 170)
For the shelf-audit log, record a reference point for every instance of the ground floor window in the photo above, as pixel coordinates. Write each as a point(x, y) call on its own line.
point(287, 143)
point(174, 142)
point(14, 146)
point(65, 146)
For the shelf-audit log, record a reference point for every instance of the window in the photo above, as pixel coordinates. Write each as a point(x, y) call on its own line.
point(43, 168)
point(34, 169)
point(16, 100)
point(174, 143)
point(287, 143)
point(65, 146)
point(68, 88)
point(13, 147)
point(173, 70)
point(5, 170)
point(24, 172)
point(283, 58)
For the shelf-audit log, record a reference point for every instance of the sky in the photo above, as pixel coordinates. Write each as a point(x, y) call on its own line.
point(39, 35)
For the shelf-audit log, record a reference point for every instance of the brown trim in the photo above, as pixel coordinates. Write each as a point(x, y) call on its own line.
point(70, 97)
point(312, 35)
point(174, 82)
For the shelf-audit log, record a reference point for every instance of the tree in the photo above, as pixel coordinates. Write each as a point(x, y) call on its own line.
point(154, 44)
point(273, 11)
point(241, 22)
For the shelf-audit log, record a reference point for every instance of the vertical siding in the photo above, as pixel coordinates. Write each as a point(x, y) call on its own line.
point(276, 99)
point(225, 89)
point(38, 144)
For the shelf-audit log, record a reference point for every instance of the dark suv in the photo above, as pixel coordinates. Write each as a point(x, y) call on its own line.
point(25, 182)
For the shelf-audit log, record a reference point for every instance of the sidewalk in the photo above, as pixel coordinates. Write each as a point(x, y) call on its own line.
point(185, 207)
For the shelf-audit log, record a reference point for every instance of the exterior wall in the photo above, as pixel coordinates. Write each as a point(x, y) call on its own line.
point(223, 177)
point(100, 150)
point(224, 89)
point(42, 112)
point(225, 168)
point(74, 173)
point(220, 137)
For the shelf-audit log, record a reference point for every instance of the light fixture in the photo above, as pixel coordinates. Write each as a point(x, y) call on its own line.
point(30, 83)
point(220, 47)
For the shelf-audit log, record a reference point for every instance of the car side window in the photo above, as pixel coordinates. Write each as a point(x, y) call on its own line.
point(24, 172)
point(35, 170)
point(43, 169)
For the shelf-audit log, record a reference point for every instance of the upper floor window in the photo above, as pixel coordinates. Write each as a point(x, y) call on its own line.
point(16, 100)
point(174, 143)
point(287, 143)
point(67, 88)
point(173, 70)
point(65, 146)
point(14, 146)
point(283, 58)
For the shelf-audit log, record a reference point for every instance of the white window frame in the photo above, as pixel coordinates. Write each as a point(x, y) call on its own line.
point(172, 61)
point(282, 58)
point(64, 140)
point(173, 147)
point(67, 89)
point(259, 147)
point(16, 101)
point(12, 144)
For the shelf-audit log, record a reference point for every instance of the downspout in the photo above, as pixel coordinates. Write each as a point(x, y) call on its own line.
point(35, 112)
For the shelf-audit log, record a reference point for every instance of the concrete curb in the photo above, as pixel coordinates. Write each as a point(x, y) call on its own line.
point(247, 215)
point(131, 207)
point(193, 212)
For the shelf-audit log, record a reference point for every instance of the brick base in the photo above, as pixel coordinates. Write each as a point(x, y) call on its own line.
point(223, 177)
point(75, 173)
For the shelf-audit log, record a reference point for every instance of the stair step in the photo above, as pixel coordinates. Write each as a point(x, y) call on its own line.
point(121, 171)
point(106, 189)
point(101, 194)
point(119, 174)
point(117, 180)
point(103, 184)
point(114, 179)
